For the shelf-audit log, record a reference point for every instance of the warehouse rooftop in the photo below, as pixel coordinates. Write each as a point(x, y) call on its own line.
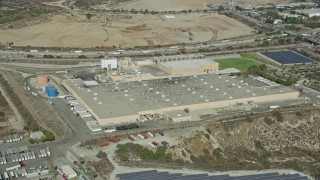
point(128, 98)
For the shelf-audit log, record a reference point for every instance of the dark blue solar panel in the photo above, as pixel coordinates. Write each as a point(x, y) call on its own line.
point(154, 175)
point(287, 57)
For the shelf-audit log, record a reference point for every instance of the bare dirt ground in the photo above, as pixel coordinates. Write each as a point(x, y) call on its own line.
point(39, 108)
point(127, 31)
point(8, 121)
point(179, 5)
point(12, 116)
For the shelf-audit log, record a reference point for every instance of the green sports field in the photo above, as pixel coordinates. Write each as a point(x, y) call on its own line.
point(239, 63)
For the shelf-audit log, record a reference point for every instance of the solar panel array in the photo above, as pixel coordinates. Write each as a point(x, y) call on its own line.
point(287, 57)
point(155, 175)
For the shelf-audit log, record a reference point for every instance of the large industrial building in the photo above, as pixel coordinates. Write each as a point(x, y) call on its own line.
point(125, 102)
point(186, 64)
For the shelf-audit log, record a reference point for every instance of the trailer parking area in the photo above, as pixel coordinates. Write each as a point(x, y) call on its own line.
point(20, 160)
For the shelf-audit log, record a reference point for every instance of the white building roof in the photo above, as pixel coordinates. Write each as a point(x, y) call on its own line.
point(69, 171)
point(188, 64)
point(90, 83)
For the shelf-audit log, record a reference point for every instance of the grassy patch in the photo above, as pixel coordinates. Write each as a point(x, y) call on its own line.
point(239, 63)
point(143, 152)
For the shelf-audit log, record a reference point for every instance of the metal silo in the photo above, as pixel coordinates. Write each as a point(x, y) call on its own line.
point(42, 79)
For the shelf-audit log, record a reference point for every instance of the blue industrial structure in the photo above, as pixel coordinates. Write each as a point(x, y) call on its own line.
point(51, 91)
point(287, 57)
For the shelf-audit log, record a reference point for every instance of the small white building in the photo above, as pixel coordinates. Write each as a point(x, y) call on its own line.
point(37, 135)
point(68, 171)
point(109, 63)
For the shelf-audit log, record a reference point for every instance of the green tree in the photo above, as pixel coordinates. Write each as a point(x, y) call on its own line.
point(89, 16)
point(48, 56)
point(82, 57)
point(2, 114)
point(220, 8)
point(101, 155)
point(258, 144)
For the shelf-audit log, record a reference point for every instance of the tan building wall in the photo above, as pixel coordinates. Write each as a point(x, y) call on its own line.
point(196, 70)
point(118, 120)
point(210, 67)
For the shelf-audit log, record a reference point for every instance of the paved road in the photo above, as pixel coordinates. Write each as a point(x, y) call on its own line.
point(163, 50)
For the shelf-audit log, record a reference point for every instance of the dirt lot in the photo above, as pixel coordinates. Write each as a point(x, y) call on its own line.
point(178, 5)
point(7, 118)
point(127, 31)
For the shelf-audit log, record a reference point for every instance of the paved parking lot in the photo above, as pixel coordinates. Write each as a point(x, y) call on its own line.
point(32, 164)
point(75, 123)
